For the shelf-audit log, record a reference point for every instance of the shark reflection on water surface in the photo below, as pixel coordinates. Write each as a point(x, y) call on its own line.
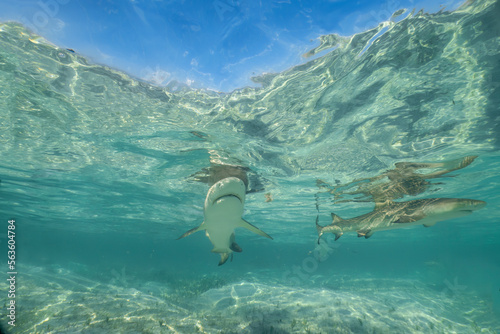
point(394, 184)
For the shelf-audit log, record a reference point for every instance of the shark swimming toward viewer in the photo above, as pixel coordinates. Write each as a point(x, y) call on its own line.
point(223, 212)
point(390, 215)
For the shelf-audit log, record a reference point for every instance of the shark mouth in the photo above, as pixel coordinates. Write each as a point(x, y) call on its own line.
point(227, 196)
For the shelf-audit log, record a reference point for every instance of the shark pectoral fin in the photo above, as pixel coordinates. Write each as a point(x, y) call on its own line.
point(193, 230)
point(338, 235)
point(223, 258)
point(235, 247)
point(250, 227)
point(365, 233)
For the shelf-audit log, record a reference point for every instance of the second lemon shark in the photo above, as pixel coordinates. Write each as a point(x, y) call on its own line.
point(390, 215)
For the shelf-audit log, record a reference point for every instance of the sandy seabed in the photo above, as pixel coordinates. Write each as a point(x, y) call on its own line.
point(56, 300)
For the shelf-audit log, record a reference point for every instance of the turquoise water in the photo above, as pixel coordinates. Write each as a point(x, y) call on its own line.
point(101, 174)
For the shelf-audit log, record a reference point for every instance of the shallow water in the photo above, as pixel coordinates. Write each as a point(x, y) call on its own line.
point(98, 172)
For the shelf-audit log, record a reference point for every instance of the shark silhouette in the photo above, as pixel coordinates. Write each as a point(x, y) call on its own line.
point(390, 215)
point(223, 212)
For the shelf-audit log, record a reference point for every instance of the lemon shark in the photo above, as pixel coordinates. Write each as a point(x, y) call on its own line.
point(390, 215)
point(223, 212)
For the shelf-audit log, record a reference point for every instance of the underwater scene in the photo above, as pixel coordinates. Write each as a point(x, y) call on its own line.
point(357, 192)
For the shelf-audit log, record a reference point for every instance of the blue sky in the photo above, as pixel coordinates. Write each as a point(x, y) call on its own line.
point(216, 44)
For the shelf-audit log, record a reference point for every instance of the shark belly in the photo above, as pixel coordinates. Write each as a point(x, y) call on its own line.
point(220, 239)
point(221, 220)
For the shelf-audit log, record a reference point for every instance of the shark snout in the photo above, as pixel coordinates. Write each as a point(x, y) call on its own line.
point(227, 188)
point(471, 205)
point(456, 207)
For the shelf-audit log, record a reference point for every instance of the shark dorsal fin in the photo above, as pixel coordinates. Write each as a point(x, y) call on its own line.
point(336, 219)
point(250, 227)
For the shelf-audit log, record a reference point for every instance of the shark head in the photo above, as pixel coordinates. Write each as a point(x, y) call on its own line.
point(225, 200)
point(446, 208)
point(228, 192)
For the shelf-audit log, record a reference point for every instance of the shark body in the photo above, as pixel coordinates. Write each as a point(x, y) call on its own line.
point(391, 215)
point(223, 212)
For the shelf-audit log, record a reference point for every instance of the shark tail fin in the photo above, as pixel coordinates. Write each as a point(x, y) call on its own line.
point(224, 257)
point(193, 230)
point(254, 229)
point(335, 228)
point(319, 228)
